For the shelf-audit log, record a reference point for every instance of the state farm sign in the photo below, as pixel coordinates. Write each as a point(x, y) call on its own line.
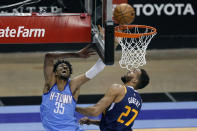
point(21, 31)
point(46, 28)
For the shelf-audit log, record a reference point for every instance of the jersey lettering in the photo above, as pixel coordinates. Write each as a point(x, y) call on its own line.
point(59, 108)
point(133, 100)
point(123, 114)
point(62, 98)
point(60, 101)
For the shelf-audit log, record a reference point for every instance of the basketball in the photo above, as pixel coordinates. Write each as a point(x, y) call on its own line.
point(124, 14)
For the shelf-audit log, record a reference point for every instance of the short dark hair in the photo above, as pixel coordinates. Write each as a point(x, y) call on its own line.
point(143, 79)
point(60, 61)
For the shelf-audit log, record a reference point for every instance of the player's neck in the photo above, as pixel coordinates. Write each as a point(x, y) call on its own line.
point(61, 84)
point(130, 85)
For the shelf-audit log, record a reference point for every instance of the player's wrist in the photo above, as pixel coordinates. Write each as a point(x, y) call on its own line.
point(77, 54)
point(97, 68)
point(94, 122)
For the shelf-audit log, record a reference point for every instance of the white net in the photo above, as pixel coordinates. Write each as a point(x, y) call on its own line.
point(134, 49)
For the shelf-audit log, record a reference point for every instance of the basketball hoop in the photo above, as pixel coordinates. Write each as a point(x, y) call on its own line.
point(134, 40)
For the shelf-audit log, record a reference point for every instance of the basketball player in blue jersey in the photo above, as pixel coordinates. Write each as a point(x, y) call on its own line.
point(121, 104)
point(60, 94)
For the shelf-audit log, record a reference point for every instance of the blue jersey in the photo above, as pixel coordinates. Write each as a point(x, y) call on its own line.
point(120, 116)
point(57, 110)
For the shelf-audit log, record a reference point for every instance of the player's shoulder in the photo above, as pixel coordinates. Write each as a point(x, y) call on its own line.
point(116, 88)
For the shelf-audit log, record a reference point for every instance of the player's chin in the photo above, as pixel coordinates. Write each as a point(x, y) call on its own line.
point(64, 77)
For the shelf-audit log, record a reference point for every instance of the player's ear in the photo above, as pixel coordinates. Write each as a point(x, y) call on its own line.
point(55, 73)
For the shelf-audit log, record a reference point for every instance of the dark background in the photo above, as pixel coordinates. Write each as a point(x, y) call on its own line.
point(174, 31)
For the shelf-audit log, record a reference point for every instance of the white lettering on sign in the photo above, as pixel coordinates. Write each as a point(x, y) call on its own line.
point(168, 9)
point(22, 32)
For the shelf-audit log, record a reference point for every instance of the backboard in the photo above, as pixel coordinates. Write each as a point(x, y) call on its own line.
point(101, 12)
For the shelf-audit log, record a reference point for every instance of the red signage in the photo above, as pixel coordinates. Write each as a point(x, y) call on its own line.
point(45, 28)
point(119, 1)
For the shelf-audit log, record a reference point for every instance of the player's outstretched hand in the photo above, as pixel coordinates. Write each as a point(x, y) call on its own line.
point(84, 120)
point(86, 52)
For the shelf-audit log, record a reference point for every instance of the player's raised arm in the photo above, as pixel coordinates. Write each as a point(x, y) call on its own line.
point(105, 102)
point(49, 62)
point(81, 79)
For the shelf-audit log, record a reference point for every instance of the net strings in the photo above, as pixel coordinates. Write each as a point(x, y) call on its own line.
point(134, 49)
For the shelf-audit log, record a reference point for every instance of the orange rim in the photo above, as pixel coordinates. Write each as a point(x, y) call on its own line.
point(133, 35)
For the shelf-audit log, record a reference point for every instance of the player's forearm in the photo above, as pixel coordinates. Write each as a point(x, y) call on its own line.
point(56, 55)
point(50, 57)
point(94, 122)
point(87, 111)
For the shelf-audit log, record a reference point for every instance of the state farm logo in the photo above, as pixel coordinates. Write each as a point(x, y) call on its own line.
point(168, 9)
point(21, 31)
